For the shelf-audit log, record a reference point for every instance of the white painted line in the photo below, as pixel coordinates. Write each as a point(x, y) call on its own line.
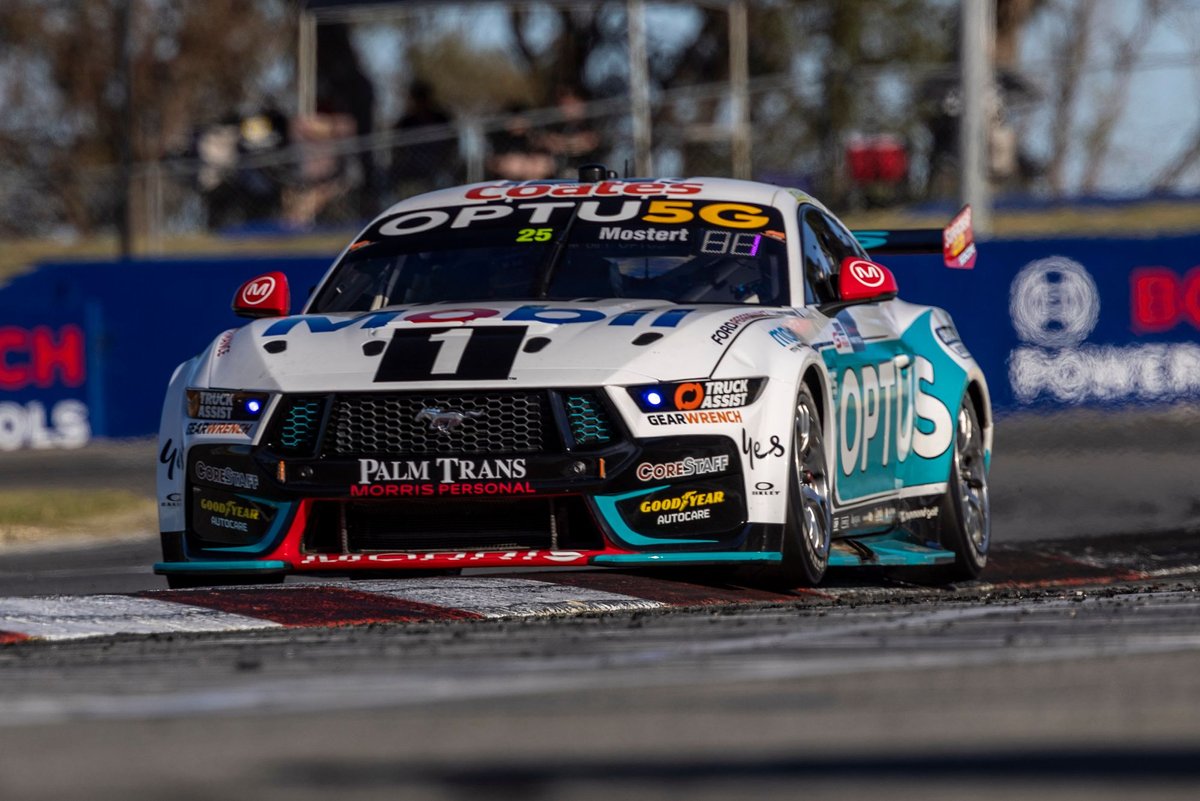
point(1170, 572)
point(64, 617)
point(495, 596)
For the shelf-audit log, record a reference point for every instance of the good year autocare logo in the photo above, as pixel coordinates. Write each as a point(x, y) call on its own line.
point(258, 290)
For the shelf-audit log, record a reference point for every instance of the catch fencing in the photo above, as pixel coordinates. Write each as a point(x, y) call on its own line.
point(267, 175)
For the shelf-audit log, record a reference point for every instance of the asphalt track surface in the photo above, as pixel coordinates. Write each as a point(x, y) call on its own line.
point(1071, 671)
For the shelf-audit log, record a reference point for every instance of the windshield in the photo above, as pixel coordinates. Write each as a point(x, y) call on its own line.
point(683, 251)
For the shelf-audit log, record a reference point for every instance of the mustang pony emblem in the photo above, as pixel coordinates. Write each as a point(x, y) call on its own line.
point(443, 420)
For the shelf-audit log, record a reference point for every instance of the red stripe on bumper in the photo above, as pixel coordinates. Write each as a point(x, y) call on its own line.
point(313, 606)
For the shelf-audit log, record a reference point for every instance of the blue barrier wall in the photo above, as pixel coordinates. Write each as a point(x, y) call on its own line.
point(139, 320)
point(1053, 322)
point(1059, 322)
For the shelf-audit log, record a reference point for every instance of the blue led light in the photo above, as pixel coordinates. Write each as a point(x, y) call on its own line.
point(253, 406)
point(653, 397)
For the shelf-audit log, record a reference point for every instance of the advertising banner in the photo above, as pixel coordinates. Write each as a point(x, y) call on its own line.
point(87, 348)
point(47, 386)
point(1067, 322)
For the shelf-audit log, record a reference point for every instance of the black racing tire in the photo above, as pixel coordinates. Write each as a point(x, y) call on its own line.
point(191, 581)
point(809, 524)
point(965, 517)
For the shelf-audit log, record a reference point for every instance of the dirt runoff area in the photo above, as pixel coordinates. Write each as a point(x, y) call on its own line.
point(103, 491)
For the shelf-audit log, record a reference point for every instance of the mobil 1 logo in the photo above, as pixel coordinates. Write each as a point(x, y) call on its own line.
point(458, 353)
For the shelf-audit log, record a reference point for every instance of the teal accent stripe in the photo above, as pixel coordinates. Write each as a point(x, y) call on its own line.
point(607, 504)
point(894, 549)
point(683, 558)
point(265, 566)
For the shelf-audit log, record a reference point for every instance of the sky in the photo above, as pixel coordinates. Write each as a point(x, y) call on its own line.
point(1163, 109)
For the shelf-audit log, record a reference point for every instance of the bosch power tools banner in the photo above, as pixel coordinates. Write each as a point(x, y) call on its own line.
point(46, 387)
point(1067, 322)
point(87, 348)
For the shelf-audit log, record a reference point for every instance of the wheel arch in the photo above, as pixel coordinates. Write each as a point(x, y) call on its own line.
point(816, 385)
point(980, 403)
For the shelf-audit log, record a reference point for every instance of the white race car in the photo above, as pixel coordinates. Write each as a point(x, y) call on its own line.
point(607, 372)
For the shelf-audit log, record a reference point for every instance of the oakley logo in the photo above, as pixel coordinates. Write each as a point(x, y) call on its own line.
point(443, 421)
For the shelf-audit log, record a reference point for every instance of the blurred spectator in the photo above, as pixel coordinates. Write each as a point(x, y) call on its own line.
point(518, 154)
point(421, 166)
point(236, 192)
point(572, 141)
point(343, 89)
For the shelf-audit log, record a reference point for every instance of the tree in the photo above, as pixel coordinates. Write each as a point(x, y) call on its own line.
point(65, 84)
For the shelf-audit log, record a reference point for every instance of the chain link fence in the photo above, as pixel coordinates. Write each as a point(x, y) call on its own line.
point(312, 175)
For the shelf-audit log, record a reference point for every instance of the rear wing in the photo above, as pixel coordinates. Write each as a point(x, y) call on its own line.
point(956, 242)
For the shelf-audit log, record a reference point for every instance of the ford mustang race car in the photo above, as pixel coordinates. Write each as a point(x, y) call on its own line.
point(599, 372)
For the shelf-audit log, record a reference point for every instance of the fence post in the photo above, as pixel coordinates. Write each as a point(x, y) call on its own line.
point(739, 78)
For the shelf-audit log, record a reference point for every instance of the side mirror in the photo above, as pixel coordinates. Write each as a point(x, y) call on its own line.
point(860, 279)
point(265, 296)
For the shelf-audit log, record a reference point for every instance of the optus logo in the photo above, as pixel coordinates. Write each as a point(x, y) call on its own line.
point(878, 407)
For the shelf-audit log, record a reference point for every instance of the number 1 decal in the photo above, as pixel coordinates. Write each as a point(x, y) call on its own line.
point(451, 354)
point(453, 346)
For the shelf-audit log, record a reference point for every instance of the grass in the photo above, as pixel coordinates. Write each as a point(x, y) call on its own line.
point(17, 256)
point(28, 515)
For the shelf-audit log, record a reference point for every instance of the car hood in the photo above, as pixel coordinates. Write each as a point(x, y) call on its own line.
point(550, 343)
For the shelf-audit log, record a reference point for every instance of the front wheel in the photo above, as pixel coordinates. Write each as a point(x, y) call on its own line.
point(806, 535)
point(966, 515)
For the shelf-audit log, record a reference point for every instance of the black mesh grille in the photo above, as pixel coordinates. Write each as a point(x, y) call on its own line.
point(484, 422)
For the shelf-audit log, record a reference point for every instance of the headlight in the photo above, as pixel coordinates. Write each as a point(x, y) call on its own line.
point(684, 396)
point(226, 404)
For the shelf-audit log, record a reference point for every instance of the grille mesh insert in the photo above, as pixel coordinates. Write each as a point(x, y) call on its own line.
point(301, 421)
point(484, 422)
point(588, 419)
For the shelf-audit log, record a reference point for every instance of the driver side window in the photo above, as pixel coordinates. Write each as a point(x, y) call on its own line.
point(821, 258)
